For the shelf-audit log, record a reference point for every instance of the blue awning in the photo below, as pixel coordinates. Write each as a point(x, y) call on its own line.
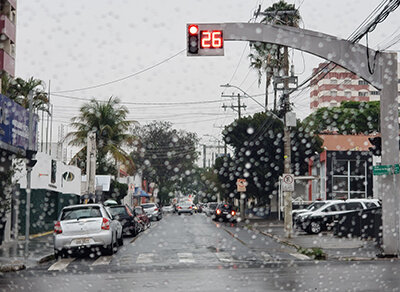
point(140, 193)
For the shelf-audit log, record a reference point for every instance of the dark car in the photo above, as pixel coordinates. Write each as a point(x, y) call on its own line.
point(143, 219)
point(224, 212)
point(124, 214)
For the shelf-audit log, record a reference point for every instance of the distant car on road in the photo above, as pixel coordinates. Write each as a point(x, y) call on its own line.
point(125, 215)
point(225, 212)
point(142, 218)
point(185, 207)
point(211, 208)
point(88, 226)
point(153, 211)
point(168, 209)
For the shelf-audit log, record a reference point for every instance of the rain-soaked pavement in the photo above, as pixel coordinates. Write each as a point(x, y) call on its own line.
point(192, 253)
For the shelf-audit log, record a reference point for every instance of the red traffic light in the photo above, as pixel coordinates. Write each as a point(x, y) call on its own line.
point(193, 29)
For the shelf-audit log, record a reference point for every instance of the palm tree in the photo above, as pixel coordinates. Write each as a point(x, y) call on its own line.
point(108, 121)
point(18, 90)
point(265, 57)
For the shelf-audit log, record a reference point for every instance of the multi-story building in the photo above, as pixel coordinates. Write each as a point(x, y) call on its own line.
point(8, 13)
point(335, 84)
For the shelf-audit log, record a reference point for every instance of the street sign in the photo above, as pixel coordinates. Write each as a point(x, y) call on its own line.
point(386, 169)
point(241, 185)
point(205, 40)
point(288, 182)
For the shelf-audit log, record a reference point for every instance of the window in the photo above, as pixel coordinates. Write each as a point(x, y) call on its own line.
point(362, 82)
point(349, 179)
point(361, 93)
point(347, 81)
point(374, 92)
point(80, 213)
point(333, 93)
point(354, 206)
point(333, 81)
point(347, 94)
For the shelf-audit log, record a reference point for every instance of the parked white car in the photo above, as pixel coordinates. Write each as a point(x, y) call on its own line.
point(86, 226)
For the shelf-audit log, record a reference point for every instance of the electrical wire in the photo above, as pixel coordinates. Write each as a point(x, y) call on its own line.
point(123, 78)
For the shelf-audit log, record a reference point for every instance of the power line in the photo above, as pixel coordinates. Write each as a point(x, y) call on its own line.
point(123, 78)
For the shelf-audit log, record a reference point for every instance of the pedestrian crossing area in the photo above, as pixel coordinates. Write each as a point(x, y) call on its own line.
point(185, 258)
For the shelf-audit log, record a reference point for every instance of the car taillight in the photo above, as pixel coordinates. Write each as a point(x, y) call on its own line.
point(156, 209)
point(190, 207)
point(57, 228)
point(105, 225)
point(233, 213)
point(218, 211)
point(179, 207)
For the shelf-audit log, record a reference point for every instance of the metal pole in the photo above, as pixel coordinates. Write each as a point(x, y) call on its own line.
point(51, 129)
point(28, 177)
point(239, 107)
point(204, 155)
point(242, 209)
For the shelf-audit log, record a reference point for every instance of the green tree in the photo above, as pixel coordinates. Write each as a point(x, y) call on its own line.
point(166, 156)
point(351, 117)
point(18, 90)
point(258, 154)
point(266, 57)
point(109, 121)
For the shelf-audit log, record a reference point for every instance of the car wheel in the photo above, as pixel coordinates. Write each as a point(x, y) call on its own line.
point(121, 241)
point(110, 248)
point(315, 227)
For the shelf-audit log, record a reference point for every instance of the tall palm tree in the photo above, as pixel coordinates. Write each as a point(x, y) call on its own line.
point(265, 57)
point(108, 121)
point(18, 90)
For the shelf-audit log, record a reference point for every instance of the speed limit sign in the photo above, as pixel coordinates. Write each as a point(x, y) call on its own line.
point(288, 182)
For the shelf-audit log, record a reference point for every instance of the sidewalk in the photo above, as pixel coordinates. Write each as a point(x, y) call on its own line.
point(339, 248)
point(12, 254)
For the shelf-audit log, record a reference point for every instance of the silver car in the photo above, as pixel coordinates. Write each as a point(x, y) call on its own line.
point(86, 226)
point(185, 207)
point(153, 211)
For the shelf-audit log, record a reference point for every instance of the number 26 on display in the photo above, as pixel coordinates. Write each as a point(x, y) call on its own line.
point(211, 39)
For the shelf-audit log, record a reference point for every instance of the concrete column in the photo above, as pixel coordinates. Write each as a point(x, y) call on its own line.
point(390, 154)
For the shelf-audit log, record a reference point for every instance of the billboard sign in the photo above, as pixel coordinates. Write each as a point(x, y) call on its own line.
point(14, 126)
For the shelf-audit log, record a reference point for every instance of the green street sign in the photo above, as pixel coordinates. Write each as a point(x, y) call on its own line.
point(386, 169)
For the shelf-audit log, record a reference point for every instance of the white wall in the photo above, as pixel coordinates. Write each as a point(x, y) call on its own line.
point(41, 176)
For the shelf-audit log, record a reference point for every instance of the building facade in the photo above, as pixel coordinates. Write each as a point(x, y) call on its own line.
point(8, 21)
point(335, 84)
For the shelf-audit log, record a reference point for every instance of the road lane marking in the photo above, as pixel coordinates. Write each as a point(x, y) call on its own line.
point(103, 260)
point(145, 258)
point(61, 264)
point(224, 257)
point(300, 256)
point(186, 257)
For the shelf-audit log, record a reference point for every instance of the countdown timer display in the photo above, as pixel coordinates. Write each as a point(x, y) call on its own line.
point(204, 40)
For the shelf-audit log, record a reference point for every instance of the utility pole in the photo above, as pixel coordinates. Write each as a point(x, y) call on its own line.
point(91, 163)
point(237, 107)
point(29, 167)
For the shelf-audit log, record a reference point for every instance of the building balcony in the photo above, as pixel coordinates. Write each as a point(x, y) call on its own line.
point(7, 28)
point(7, 63)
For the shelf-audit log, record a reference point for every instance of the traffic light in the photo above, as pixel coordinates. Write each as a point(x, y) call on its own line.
point(193, 39)
point(30, 156)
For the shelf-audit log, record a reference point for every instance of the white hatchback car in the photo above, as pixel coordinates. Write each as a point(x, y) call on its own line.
point(86, 226)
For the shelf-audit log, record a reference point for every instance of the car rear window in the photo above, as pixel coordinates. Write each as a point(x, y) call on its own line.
point(213, 205)
point(225, 207)
point(148, 206)
point(117, 210)
point(81, 212)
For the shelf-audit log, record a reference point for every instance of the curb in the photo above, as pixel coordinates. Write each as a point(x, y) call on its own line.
point(46, 258)
point(13, 267)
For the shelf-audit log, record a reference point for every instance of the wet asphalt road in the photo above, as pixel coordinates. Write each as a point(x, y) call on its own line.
point(192, 253)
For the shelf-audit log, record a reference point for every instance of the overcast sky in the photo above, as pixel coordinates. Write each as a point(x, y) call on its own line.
point(77, 44)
